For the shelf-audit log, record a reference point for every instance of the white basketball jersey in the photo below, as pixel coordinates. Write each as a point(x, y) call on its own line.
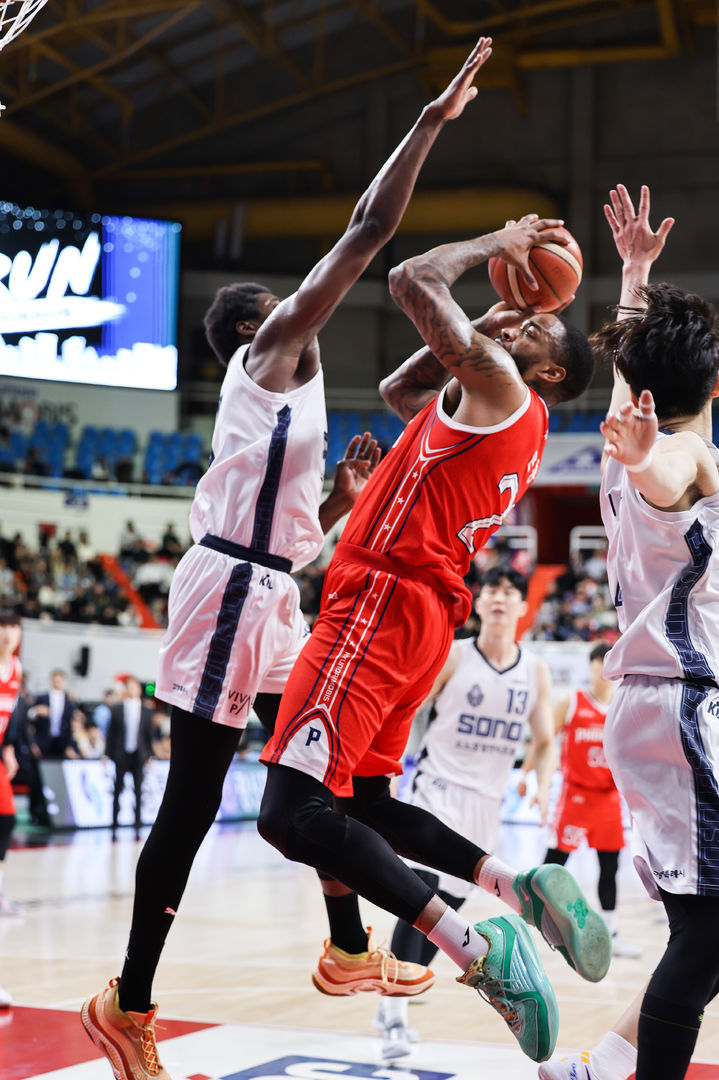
point(479, 717)
point(663, 570)
point(264, 483)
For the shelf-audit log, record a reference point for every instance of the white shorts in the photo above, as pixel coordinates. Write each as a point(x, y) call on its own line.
point(661, 740)
point(468, 812)
point(235, 630)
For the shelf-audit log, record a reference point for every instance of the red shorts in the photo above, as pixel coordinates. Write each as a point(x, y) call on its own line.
point(7, 799)
point(371, 660)
point(584, 814)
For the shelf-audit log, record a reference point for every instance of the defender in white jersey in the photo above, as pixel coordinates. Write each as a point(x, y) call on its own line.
point(234, 609)
point(488, 694)
point(660, 507)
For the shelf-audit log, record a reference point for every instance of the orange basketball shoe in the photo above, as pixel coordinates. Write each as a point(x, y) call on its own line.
point(340, 973)
point(127, 1039)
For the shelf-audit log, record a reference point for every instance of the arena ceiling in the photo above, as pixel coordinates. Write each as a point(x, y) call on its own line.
point(133, 100)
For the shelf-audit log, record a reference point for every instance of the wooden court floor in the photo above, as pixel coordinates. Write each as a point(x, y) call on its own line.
point(236, 970)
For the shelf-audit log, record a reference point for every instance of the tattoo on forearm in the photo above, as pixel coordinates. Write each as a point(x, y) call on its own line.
point(421, 290)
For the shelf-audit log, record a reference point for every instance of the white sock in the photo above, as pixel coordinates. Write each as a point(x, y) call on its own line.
point(455, 937)
point(496, 877)
point(613, 1058)
point(394, 1011)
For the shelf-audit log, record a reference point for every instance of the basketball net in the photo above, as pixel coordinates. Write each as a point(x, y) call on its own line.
point(14, 17)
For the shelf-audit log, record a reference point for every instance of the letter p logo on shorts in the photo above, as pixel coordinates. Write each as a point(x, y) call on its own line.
point(313, 735)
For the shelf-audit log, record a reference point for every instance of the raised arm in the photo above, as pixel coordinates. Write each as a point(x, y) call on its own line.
point(421, 287)
point(639, 248)
point(421, 376)
point(278, 344)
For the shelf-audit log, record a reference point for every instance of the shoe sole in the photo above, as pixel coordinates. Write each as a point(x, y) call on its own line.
point(333, 989)
point(587, 942)
point(120, 1067)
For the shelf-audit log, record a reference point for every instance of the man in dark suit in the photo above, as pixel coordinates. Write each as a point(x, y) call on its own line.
point(129, 745)
point(51, 720)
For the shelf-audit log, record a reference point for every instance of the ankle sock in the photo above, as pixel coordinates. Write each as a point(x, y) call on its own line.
point(457, 939)
point(496, 877)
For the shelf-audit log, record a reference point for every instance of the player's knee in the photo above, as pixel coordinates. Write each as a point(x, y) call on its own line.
point(370, 802)
point(296, 814)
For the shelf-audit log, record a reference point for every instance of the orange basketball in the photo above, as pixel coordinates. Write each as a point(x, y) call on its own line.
point(557, 268)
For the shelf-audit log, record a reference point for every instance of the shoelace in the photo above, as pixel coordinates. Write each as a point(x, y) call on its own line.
point(149, 1048)
point(387, 958)
point(493, 992)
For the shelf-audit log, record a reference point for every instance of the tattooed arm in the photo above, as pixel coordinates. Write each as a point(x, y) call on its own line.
point(420, 378)
point(488, 386)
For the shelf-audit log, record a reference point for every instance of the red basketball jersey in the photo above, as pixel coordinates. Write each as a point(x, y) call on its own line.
point(444, 488)
point(9, 690)
point(582, 760)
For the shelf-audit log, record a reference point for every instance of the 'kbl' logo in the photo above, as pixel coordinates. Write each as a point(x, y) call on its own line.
point(313, 735)
point(304, 1068)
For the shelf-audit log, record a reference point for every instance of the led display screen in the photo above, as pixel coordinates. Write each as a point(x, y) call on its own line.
point(88, 298)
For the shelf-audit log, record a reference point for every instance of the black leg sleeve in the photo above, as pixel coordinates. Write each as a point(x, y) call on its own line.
point(411, 831)
point(200, 757)
point(297, 817)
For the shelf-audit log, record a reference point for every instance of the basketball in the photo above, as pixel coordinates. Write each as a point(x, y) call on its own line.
point(558, 270)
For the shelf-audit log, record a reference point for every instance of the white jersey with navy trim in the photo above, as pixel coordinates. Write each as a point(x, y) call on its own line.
point(478, 723)
point(264, 484)
point(663, 571)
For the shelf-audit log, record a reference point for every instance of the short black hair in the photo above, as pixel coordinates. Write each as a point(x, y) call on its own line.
point(670, 347)
point(599, 651)
point(231, 305)
point(8, 617)
point(576, 356)
point(496, 574)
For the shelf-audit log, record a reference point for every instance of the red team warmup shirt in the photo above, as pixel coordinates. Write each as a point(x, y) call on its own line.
point(394, 591)
point(9, 690)
point(589, 807)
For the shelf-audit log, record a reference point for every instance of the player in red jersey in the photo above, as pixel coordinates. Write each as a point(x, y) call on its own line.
point(394, 592)
point(589, 809)
point(10, 676)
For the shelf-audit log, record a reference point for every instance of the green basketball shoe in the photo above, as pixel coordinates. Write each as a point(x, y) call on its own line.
point(511, 978)
point(552, 901)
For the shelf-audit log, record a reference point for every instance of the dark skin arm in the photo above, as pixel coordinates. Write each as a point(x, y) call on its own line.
point(420, 378)
point(487, 387)
point(283, 352)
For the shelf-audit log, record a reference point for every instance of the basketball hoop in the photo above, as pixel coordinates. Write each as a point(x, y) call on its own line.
point(14, 17)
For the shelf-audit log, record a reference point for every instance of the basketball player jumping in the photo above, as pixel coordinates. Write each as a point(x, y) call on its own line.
point(235, 627)
point(394, 591)
point(660, 506)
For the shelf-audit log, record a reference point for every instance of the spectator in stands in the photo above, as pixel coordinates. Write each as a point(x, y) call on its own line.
point(170, 545)
point(7, 580)
point(88, 738)
point(99, 470)
point(153, 577)
point(67, 549)
point(85, 550)
point(132, 546)
point(51, 719)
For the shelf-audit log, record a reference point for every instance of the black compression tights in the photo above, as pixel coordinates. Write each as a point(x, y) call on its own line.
point(357, 841)
point(408, 943)
point(685, 980)
point(201, 755)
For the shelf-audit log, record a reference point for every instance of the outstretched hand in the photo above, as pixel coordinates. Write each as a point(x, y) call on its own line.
point(517, 237)
point(452, 101)
point(629, 433)
point(631, 230)
point(354, 470)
